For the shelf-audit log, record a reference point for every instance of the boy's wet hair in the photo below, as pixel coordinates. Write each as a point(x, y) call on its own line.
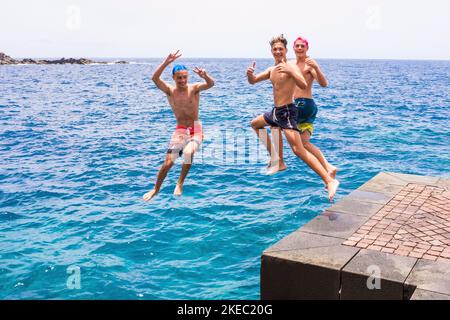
point(279, 38)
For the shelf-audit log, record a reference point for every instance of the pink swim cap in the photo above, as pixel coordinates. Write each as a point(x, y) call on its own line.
point(302, 40)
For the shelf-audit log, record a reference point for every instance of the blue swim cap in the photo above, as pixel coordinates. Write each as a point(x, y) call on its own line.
point(178, 67)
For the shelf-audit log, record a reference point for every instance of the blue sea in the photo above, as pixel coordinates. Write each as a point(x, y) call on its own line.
point(80, 145)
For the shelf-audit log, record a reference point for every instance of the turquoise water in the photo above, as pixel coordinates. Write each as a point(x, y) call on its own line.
point(80, 145)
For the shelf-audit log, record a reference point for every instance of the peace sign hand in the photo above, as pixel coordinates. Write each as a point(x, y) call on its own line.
point(172, 57)
point(201, 72)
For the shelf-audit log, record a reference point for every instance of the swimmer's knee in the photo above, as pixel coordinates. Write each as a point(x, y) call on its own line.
point(188, 159)
point(307, 144)
point(299, 152)
point(168, 163)
point(255, 125)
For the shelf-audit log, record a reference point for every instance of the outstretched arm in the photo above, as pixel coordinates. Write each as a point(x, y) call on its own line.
point(209, 81)
point(252, 79)
point(161, 84)
point(316, 72)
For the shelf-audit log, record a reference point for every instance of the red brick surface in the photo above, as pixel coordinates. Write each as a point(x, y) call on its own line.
point(415, 223)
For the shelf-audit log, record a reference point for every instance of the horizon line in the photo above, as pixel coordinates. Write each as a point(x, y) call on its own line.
point(249, 58)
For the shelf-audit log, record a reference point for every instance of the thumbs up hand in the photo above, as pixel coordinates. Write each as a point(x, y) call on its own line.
point(251, 69)
point(250, 73)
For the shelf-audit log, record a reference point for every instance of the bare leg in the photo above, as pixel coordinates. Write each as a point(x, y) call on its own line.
point(318, 154)
point(295, 141)
point(188, 153)
point(168, 163)
point(277, 164)
point(184, 171)
point(258, 124)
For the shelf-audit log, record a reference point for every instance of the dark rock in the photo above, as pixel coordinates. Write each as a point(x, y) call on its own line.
point(5, 59)
point(28, 61)
point(70, 61)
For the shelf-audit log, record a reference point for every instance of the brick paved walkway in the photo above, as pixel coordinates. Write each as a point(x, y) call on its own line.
point(415, 223)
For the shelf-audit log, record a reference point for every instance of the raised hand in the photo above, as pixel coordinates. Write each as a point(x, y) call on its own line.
point(311, 63)
point(251, 69)
point(250, 73)
point(201, 72)
point(172, 57)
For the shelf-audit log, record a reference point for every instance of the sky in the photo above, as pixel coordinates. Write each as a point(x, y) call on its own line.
point(339, 29)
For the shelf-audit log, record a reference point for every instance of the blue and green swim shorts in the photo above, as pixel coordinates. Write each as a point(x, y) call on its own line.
point(306, 114)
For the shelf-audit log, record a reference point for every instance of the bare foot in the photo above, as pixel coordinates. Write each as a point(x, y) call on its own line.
point(332, 171)
point(178, 190)
point(332, 188)
point(272, 169)
point(149, 195)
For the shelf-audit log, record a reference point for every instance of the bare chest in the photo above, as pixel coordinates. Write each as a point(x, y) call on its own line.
point(306, 73)
point(280, 79)
point(183, 99)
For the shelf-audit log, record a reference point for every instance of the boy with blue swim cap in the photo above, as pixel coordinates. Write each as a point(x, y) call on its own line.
point(178, 67)
point(184, 99)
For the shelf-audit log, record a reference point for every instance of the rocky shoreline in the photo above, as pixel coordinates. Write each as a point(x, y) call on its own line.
point(7, 60)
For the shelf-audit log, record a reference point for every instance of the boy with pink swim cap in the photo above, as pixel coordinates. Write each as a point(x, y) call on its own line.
point(184, 99)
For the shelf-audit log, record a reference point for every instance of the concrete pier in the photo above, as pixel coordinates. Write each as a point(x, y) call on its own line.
point(389, 239)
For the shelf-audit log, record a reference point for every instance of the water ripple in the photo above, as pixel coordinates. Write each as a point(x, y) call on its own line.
point(81, 144)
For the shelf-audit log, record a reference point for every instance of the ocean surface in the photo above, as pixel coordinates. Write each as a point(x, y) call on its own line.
point(80, 145)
